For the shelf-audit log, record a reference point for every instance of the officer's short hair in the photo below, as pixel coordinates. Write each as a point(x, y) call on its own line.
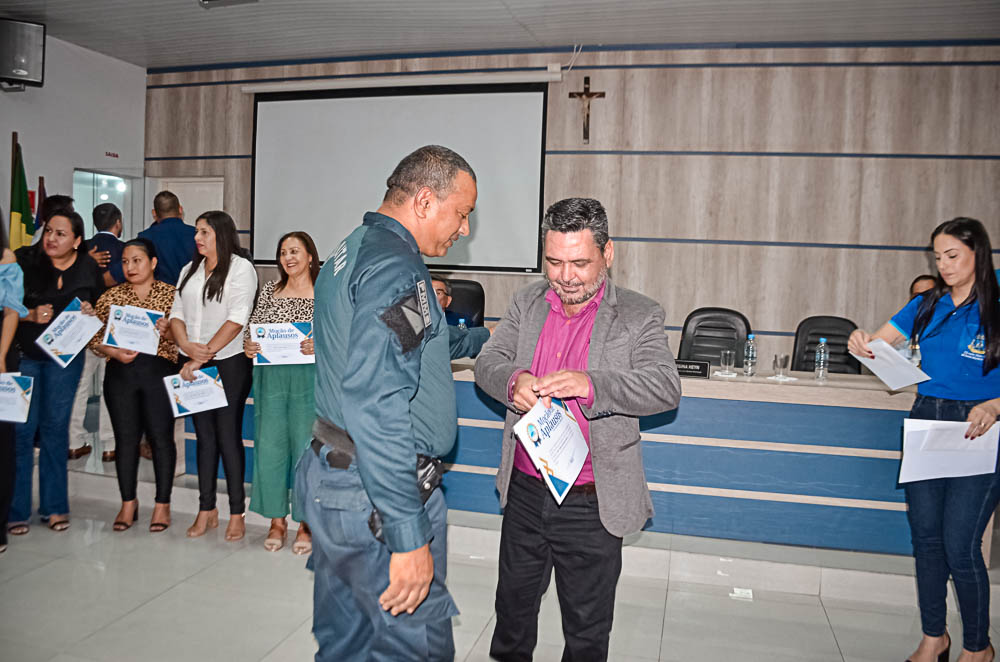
point(432, 166)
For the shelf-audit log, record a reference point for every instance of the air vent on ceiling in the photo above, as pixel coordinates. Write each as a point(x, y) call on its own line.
point(210, 4)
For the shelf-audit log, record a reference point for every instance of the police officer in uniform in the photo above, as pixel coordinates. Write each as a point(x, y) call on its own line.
point(385, 405)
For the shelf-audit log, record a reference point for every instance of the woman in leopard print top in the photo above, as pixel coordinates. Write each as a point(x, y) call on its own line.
point(284, 408)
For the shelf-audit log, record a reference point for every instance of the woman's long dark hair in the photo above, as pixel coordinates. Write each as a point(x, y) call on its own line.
point(310, 248)
point(227, 244)
point(985, 290)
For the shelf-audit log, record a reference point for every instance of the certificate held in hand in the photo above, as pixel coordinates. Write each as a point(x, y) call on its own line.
point(68, 334)
point(202, 394)
point(131, 327)
point(555, 445)
point(15, 397)
point(281, 344)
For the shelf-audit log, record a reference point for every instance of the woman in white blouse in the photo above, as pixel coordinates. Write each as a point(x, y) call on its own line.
point(214, 299)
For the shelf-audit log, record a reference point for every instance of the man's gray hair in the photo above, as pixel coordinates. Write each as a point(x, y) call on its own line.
point(432, 166)
point(575, 215)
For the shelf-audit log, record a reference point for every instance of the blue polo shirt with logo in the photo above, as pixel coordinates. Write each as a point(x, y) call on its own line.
point(952, 349)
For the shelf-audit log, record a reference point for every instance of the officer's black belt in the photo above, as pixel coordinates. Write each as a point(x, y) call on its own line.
point(342, 449)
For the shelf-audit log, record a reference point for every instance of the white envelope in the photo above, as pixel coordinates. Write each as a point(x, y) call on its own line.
point(938, 449)
point(891, 367)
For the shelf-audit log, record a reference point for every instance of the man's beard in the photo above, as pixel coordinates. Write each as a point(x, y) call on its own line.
point(581, 297)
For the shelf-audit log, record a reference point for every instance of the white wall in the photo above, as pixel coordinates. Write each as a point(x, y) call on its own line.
point(91, 104)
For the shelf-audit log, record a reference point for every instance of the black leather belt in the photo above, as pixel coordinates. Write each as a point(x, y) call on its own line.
point(342, 450)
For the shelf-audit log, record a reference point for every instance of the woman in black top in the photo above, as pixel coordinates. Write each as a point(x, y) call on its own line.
point(56, 271)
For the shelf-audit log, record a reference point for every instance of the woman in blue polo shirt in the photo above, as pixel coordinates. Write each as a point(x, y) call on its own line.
point(956, 326)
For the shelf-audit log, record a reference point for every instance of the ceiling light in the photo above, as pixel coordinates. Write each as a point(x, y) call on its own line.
point(104, 196)
point(120, 187)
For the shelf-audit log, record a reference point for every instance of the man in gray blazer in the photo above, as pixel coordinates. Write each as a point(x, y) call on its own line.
point(602, 350)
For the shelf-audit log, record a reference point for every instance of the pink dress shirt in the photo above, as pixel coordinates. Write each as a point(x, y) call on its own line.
point(563, 345)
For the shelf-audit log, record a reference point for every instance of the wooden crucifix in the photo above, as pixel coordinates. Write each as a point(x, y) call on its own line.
point(585, 96)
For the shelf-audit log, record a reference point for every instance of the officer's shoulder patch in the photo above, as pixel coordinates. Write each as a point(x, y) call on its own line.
point(409, 317)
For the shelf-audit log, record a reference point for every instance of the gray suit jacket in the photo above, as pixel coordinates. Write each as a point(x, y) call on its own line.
point(633, 373)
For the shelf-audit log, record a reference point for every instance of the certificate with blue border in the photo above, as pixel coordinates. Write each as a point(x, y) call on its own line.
point(202, 394)
point(68, 333)
point(281, 344)
point(134, 328)
point(555, 444)
point(15, 397)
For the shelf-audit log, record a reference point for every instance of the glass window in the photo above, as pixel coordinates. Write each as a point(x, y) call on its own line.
point(94, 188)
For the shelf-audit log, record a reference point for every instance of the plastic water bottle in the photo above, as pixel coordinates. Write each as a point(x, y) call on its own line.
point(822, 359)
point(750, 357)
point(461, 324)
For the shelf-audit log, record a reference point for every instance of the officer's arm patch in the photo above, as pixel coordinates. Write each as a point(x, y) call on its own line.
point(405, 319)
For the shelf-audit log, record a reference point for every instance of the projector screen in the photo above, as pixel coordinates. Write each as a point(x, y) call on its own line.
point(321, 161)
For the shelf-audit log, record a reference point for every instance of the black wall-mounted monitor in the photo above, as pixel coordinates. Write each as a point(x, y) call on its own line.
point(22, 52)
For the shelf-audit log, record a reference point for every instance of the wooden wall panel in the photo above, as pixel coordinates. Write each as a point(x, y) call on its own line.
point(790, 198)
point(775, 287)
point(892, 109)
point(932, 109)
point(206, 120)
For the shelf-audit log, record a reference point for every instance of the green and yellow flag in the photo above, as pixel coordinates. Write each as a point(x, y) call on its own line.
point(22, 225)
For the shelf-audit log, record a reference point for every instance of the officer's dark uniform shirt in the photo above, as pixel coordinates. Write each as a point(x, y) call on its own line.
point(382, 368)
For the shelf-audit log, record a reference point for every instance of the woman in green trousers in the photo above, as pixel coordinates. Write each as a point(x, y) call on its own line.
point(284, 408)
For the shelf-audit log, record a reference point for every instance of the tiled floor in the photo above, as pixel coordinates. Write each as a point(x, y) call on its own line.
point(91, 595)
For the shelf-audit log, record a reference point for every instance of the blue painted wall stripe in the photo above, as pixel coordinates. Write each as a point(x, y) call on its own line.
point(811, 525)
point(927, 43)
point(844, 427)
point(771, 471)
point(779, 244)
point(770, 65)
point(836, 155)
point(730, 468)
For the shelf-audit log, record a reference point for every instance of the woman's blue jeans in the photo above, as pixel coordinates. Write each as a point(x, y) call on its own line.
point(947, 519)
point(52, 396)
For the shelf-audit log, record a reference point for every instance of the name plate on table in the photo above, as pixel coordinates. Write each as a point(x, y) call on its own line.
point(692, 368)
point(281, 344)
point(68, 333)
point(202, 394)
point(15, 397)
point(131, 327)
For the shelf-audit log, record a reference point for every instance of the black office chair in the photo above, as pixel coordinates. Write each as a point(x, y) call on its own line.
point(836, 330)
point(468, 300)
point(708, 331)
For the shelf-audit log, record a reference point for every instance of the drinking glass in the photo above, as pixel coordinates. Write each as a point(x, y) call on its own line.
point(727, 359)
point(781, 366)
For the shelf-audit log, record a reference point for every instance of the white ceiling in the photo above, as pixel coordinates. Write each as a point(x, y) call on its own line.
point(170, 33)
